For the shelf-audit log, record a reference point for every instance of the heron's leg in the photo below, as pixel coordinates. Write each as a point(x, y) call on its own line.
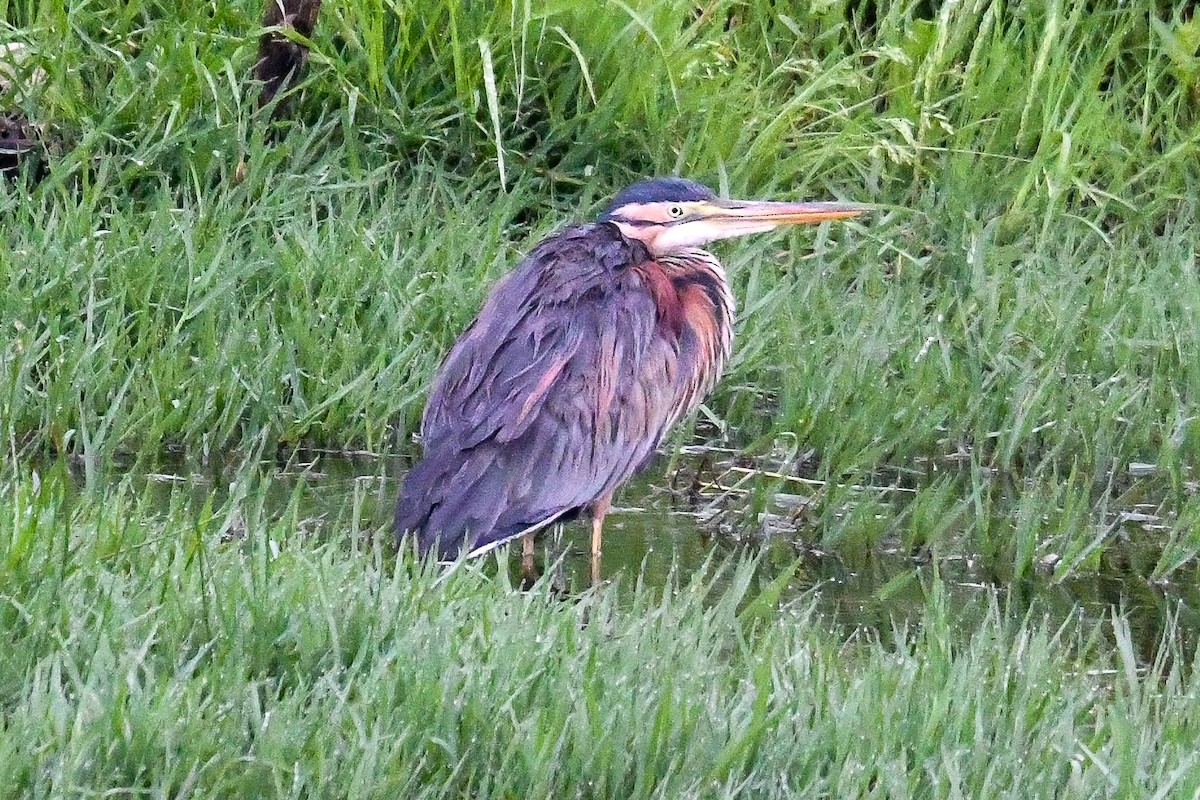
point(599, 509)
point(528, 572)
point(558, 578)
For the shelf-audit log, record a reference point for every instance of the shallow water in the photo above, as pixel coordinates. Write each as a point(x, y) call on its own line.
point(656, 536)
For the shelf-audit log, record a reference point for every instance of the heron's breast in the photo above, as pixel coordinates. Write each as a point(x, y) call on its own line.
point(668, 304)
point(695, 312)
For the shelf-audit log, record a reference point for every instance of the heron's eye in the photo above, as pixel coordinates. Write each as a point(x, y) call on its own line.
point(675, 212)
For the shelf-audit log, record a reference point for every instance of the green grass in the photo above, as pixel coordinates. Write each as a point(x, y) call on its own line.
point(1016, 325)
point(178, 654)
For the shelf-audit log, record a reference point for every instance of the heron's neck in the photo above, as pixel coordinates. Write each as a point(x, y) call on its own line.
point(679, 263)
point(701, 269)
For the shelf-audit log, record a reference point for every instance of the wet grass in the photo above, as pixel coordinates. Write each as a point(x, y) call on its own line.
point(229, 653)
point(1011, 340)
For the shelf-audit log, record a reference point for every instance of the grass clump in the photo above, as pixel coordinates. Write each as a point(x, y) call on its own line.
point(165, 653)
point(1039, 164)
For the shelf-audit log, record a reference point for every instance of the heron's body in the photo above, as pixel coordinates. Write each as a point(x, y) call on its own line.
point(562, 388)
point(579, 363)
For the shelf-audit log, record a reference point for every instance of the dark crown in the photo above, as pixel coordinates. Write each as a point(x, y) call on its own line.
point(659, 190)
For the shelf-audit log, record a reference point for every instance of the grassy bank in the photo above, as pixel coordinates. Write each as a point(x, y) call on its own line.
point(180, 655)
point(1028, 291)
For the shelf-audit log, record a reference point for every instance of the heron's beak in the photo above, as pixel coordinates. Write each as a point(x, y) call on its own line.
point(735, 213)
point(724, 219)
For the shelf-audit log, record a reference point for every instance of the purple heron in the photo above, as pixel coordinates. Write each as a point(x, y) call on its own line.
point(580, 361)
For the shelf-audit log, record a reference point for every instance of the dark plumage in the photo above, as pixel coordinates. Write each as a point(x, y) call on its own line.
point(556, 394)
point(659, 190)
point(578, 364)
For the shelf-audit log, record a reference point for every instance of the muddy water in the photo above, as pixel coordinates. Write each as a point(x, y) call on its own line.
point(653, 534)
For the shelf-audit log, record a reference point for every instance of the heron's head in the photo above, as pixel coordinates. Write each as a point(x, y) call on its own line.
point(670, 214)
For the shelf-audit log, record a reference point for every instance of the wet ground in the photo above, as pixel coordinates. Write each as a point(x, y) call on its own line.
point(658, 529)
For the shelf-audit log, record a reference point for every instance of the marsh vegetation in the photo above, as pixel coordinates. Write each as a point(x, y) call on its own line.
point(1000, 368)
